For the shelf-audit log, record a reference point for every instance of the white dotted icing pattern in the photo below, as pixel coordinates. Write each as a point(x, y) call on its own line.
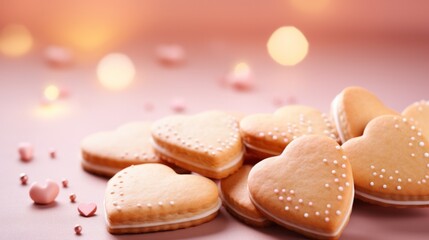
point(421, 105)
point(138, 156)
point(167, 131)
point(383, 177)
point(291, 131)
point(117, 192)
point(292, 202)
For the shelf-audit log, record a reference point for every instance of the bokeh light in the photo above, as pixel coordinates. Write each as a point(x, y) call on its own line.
point(242, 69)
point(51, 93)
point(287, 46)
point(116, 71)
point(15, 40)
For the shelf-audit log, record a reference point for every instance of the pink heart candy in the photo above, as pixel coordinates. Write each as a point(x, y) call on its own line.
point(87, 209)
point(25, 151)
point(44, 194)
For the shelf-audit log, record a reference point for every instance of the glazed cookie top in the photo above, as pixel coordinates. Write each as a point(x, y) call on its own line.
point(309, 186)
point(273, 132)
point(210, 137)
point(129, 144)
point(148, 193)
point(419, 111)
point(391, 159)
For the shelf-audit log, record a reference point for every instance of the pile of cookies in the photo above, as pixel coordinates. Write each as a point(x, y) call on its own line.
point(309, 166)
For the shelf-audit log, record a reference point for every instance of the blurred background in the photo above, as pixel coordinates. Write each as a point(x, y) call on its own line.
point(71, 68)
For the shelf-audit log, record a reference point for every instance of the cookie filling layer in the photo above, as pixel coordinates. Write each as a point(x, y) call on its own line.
point(336, 110)
point(262, 150)
point(391, 201)
point(105, 169)
point(230, 164)
point(311, 231)
point(162, 223)
point(236, 211)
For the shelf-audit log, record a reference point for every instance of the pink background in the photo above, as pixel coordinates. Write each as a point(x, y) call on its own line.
point(383, 47)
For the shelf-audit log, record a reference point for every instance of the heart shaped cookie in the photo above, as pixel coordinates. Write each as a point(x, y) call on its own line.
point(235, 198)
point(267, 135)
point(106, 153)
point(152, 197)
point(419, 111)
point(207, 143)
point(353, 108)
point(391, 163)
point(308, 188)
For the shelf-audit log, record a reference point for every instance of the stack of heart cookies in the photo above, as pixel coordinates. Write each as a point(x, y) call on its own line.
point(297, 167)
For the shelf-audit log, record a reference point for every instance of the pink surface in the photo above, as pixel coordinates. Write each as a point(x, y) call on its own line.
point(397, 71)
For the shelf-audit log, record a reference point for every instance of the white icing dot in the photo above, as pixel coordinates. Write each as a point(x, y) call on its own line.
point(270, 133)
point(404, 119)
point(115, 204)
point(160, 203)
point(391, 178)
point(328, 205)
point(310, 203)
point(374, 174)
point(286, 208)
point(384, 186)
point(326, 185)
point(410, 180)
point(410, 144)
point(338, 212)
point(275, 137)
point(339, 197)
point(396, 126)
point(325, 160)
point(333, 171)
point(281, 198)
point(343, 175)
point(276, 190)
point(171, 202)
point(306, 215)
point(343, 165)
point(292, 192)
point(300, 200)
point(326, 212)
point(296, 207)
point(344, 157)
point(399, 180)
point(398, 188)
point(340, 189)
point(396, 171)
point(347, 184)
point(139, 205)
point(426, 155)
point(288, 199)
point(335, 162)
point(317, 213)
point(338, 147)
point(283, 190)
point(423, 180)
point(326, 219)
point(413, 154)
point(383, 170)
point(381, 176)
point(372, 167)
point(336, 180)
point(371, 184)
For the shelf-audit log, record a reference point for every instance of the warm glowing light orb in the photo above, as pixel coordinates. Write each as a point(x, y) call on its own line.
point(15, 40)
point(287, 46)
point(116, 71)
point(51, 93)
point(242, 69)
point(311, 6)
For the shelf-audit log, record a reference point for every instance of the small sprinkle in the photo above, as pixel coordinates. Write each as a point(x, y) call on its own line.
point(317, 213)
point(306, 215)
point(300, 200)
point(410, 144)
point(383, 170)
point(374, 174)
point(344, 157)
point(426, 155)
point(149, 205)
point(292, 192)
point(310, 203)
point(261, 134)
point(340, 189)
point(343, 175)
point(171, 203)
point(372, 167)
point(338, 212)
point(396, 171)
point(381, 176)
point(281, 198)
point(413, 154)
point(286, 208)
point(326, 185)
point(336, 180)
point(328, 205)
point(339, 197)
point(371, 184)
point(399, 180)
point(413, 127)
point(296, 207)
point(335, 162)
point(396, 126)
point(347, 184)
point(283, 190)
point(404, 119)
point(333, 172)
point(391, 178)
point(384, 186)
point(398, 188)
point(325, 160)
point(326, 219)
point(139, 205)
point(410, 180)
point(343, 165)
point(276, 190)
point(326, 212)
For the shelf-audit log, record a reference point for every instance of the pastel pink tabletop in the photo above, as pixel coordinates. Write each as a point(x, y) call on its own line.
point(396, 70)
